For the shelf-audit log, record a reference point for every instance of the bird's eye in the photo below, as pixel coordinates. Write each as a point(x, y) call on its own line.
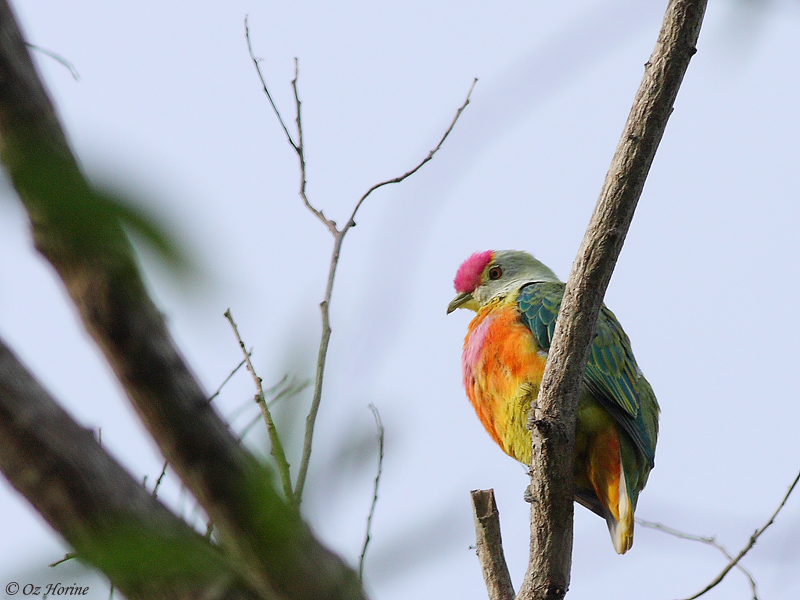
point(495, 273)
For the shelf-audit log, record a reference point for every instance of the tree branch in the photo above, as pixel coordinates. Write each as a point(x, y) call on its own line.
point(552, 418)
point(338, 238)
point(708, 540)
point(753, 539)
point(489, 546)
point(94, 504)
point(274, 550)
point(274, 438)
point(367, 536)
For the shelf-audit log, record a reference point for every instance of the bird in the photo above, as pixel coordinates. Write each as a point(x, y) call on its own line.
point(517, 298)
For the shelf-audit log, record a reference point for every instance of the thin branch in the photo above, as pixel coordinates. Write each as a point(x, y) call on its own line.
point(708, 540)
point(351, 222)
point(301, 156)
point(379, 425)
point(290, 391)
point(296, 146)
point(264, 83)
point(324, 306)
point(750, 544)
point(73, 71)
point(553, 415)
point(67, 556)
point(275, 441)
point(338, 236)
point(228, 378)
point(489, 546)
point(159, 480)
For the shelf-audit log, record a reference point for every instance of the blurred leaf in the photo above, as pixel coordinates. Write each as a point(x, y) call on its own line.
point(145, 226)
point(86, 218)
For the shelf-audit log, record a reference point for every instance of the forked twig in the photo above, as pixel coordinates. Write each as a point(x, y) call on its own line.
point(73, 71)
point(275, 441)
point(338, 237)
point(708, 540)
point(379, 424)
point(750, 544)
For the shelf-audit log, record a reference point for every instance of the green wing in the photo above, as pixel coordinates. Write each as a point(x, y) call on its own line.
point(612, 376)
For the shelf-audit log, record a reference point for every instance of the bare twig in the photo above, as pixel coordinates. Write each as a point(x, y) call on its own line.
point(750, 544)
point(351, 222)
point(73, 71)
point(379, 425)
point(160, 479)
point(292, 389)
point(67, 556)
point(338, 238)
point(264, 83)
point(708, 540)
point(275, 441)
point(296, 146)
point(489, 546)
point(228, 378)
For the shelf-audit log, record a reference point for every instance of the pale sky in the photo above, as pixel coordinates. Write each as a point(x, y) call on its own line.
point(168, 104)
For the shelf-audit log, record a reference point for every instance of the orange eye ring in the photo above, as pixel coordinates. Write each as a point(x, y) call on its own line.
point(495, 273)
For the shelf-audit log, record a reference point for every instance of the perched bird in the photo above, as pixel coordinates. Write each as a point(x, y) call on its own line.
point(517, 300)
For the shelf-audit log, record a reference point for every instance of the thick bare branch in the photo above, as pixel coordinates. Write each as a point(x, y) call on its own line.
point(489, 546)
point(274, 549)
point(93, 503)
point(553, 416)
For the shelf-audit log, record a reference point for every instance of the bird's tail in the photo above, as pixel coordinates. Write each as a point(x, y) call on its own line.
point(607, 474)
point(620, 526)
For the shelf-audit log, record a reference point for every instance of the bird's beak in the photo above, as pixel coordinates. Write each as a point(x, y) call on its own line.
point(459, 301)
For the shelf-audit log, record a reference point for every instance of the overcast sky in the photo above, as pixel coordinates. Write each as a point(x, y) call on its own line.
point(168, 105)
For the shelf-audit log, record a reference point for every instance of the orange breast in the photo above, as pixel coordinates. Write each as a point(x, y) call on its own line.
point(502, 374)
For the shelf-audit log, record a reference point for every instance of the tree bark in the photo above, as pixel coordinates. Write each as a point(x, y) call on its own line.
point(87, 497)
point(489, 546)
point(274, 549)
point(552, 418)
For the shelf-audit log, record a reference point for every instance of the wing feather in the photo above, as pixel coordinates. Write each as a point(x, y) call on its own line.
point(612, 375)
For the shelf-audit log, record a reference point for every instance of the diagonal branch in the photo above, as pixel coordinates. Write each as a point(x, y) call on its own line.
point(273, 548)
point(753, 539)
point(351, 222)
point(93, 503)
point(274, 438)
point(708, 540)
point(552, 418)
